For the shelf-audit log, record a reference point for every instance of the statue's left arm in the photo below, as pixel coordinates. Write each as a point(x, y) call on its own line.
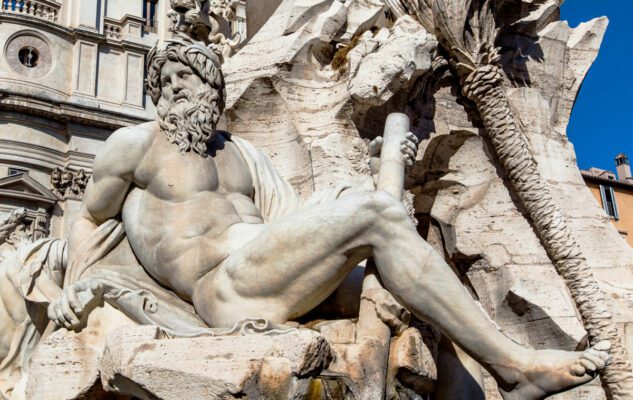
point(275, 197)
point(409, 149)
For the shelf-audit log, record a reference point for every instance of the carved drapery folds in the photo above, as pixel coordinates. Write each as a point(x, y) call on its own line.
point(69, 184)
point(468, 32)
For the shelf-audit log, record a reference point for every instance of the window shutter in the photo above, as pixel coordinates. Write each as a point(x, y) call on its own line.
point(603, 196)
point(616, 214)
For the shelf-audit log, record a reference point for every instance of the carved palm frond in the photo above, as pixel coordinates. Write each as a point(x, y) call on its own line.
point(421, 10)
point(468, 30)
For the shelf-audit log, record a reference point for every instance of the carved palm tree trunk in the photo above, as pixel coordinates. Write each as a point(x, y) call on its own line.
point(467, 30)
point(484, 87)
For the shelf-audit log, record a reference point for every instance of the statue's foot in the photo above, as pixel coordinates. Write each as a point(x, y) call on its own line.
point(549, 372)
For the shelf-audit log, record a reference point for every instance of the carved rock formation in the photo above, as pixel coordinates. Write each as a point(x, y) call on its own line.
point(140, 363)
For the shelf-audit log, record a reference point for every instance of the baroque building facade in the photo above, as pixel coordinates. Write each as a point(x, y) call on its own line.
point(614, 192)
point(71, 73)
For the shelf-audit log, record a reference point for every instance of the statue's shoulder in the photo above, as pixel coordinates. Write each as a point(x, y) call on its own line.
point(125, 147)
point(131, 138)
point(138, 134)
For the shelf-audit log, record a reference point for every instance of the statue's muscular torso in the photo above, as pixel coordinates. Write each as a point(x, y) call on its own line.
point(184, 214)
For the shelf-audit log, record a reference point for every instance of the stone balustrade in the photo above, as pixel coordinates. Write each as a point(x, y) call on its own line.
point(44, 9)
point(112, 29)
point(128, 28)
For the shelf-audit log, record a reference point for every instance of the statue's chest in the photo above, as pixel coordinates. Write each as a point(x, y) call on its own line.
point(177, 177)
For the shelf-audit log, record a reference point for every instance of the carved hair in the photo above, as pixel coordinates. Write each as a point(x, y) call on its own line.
point(202, 61)
point(10, 224)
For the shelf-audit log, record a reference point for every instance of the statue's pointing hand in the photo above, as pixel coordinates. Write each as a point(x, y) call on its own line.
point(75, 304)
point(409, 149)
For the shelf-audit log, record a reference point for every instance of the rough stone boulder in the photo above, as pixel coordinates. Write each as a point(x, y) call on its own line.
point(64, 367)
point(143, 363)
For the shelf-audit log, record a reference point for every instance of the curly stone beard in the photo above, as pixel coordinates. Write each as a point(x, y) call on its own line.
point(191, 123)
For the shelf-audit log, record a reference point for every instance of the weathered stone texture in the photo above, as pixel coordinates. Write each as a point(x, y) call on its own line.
point(483, 225)
point(300, 110)
point(141, 363)
point(63, 367)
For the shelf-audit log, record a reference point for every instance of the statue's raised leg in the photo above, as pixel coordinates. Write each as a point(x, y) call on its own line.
point(294, 263)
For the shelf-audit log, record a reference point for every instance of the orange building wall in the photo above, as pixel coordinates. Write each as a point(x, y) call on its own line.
point(624, 200)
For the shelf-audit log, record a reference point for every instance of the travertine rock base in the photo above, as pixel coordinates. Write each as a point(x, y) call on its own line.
point(141, 363)
point(64, 367)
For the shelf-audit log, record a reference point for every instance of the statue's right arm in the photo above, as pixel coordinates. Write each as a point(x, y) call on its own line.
point(113, 173)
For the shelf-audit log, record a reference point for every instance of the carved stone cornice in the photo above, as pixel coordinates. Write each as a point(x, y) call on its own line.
point(44, 157)
point(73, 34)
point(23, 187)
point(65, 111)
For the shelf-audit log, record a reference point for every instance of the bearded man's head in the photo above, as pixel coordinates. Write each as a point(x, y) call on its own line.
point(186, 84)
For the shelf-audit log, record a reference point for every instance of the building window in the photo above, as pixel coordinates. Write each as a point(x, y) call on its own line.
point(238, 26)
point(17, 171)
point(149, 13)
point(609, 202)
point(29, 56)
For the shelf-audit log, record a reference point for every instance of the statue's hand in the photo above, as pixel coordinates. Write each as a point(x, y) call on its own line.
point(409, 149)
point(75, 304)
point(374, 155)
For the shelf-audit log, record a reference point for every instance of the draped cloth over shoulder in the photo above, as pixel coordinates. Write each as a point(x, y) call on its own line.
point(274, 197)
point(106, 256)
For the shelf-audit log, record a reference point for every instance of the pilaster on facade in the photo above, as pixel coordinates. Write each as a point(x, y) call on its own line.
point(71, 73)
point(238, 26)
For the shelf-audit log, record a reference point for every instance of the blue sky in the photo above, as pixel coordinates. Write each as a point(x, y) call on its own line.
point(601, 123)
